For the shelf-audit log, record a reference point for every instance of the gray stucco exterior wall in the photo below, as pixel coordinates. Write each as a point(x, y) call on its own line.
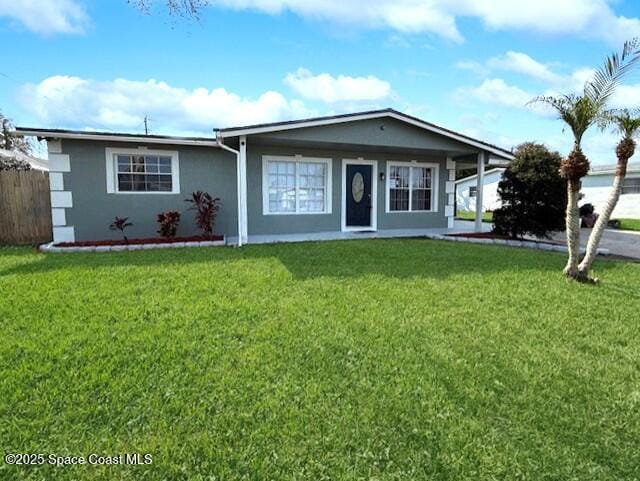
point(200, 168)
point(260, 224)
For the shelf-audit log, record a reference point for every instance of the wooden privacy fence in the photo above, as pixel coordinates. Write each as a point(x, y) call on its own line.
point(25, 207)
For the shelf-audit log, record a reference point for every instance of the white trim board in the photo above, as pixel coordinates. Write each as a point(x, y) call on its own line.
point(138, 139)
point(374, 196)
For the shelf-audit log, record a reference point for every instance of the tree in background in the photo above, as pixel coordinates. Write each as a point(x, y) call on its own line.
point(12, 163)
point(532, 193)
point(581, 112)
point(8, 141)
point(628, 125)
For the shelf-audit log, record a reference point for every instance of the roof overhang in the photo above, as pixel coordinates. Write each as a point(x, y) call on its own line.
point(114, 137)
point(388, 113)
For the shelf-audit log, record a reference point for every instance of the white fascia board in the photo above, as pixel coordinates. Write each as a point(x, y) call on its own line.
point(116, 138)
point(354, 118)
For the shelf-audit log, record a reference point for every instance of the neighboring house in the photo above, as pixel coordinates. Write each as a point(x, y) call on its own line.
point(318, 178)
point(34, 162)
point(467, 191)
point(596, 188)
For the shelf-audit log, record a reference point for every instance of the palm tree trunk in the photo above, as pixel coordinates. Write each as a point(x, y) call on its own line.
point(603, 220)
point(573, 228)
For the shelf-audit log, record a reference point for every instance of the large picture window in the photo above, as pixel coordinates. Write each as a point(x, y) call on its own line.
point(296, 185)
point(411, 187)
point(142, 171)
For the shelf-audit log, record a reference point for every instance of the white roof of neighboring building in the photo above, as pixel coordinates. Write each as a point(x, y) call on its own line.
point(488, 172)
point(35, 162)
point(611, 169)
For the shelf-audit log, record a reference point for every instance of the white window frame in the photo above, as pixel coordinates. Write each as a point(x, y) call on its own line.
point(297, 159)
point(435, 184)
point(111, 154)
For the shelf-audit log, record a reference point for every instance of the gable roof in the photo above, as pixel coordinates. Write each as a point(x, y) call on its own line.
point(266, 128)
point(372, 114)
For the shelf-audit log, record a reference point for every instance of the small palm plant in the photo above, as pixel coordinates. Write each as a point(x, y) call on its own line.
point(121, 223)
point(627, 124)
point(206, 208)
point(581, 112)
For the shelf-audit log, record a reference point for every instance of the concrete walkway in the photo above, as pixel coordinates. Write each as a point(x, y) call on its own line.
point(618, 242)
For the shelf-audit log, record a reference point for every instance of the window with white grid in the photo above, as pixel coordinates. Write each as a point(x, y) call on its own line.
point(296, 185)
point(411, 187)
point(142, 171)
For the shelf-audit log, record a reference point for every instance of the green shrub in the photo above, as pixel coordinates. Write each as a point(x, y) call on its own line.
point(532, 194)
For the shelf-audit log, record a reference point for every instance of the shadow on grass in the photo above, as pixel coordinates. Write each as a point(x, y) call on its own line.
point(399, 258)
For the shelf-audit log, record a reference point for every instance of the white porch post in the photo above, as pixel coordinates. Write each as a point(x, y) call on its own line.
point(244, 231)
point(450, 207)
point(479, 191)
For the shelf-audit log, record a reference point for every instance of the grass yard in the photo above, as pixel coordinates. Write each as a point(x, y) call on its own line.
point(630, 224)
point(352, 360)
point(469, 215)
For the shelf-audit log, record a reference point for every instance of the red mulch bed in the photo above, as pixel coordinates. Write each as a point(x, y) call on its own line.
point(143, 240)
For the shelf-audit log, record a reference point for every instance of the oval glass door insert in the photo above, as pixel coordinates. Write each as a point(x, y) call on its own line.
point(357, 187)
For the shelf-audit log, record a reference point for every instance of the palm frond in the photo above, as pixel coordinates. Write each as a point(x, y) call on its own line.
point(605, 80)
point(577, 111)
point(626, 122)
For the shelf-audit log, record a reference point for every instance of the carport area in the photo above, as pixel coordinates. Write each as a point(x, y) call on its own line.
point(481, 163)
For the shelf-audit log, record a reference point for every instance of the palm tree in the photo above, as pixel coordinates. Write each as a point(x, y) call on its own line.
point(580, 112)
point(628, 125)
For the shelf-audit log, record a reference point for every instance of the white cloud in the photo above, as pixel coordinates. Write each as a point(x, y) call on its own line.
point(473, 66)
point(626, 96)
point(46, 17)
point(122, 104)
point(522, 63)
point(497, 91)
point(583, 18)
point(342, 88)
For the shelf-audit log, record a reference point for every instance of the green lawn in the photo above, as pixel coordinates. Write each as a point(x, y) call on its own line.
point(371, 359)
point(630, 224)
point(469, 215)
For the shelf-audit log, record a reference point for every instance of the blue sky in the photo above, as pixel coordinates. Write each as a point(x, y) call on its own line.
point(469, 65)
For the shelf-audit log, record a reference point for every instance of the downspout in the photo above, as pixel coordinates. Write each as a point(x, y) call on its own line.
point(238, 175)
